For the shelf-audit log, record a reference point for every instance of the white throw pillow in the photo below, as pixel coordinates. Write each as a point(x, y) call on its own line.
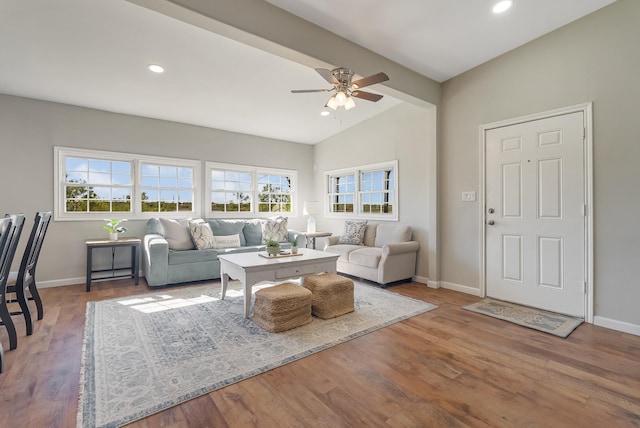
point(353, 232)
point(275, 229)
point(176, 232)
point(229, 241)
point(201, 234)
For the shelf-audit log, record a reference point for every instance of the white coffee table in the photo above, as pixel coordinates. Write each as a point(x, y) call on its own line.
point(251, 268)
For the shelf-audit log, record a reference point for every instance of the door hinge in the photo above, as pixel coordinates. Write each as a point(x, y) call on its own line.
point(584, 287)
point(584, 133)
point(584, 210)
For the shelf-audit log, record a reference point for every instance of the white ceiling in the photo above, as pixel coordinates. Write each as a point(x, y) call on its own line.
point(94, 53)
point(439, 38)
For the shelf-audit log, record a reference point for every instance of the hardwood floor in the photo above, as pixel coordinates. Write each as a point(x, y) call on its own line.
point(445, 368)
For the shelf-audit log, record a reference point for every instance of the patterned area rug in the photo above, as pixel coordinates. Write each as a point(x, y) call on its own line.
point(548, 322)
point(146, 353)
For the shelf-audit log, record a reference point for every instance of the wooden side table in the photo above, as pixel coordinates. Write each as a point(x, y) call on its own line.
point(311, 237)
point(92, 244)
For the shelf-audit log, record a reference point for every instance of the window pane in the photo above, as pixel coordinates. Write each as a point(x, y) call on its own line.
point(96, 165)
point(274, 193)
point(150, 181)
point(168, 188)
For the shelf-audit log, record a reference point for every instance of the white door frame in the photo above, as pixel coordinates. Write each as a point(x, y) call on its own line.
point(586, 109)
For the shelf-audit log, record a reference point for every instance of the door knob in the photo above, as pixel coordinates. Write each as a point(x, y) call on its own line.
point(491, 210)
point(491, 222)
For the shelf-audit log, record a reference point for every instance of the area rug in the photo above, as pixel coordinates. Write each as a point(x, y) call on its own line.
point(146, 353)
point(548, 322)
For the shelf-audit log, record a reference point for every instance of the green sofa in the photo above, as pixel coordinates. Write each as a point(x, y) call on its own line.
point(169, 255)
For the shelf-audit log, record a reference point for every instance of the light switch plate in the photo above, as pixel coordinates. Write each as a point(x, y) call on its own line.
point(468, 196)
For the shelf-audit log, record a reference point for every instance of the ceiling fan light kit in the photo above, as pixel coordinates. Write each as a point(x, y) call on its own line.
point(345, 89)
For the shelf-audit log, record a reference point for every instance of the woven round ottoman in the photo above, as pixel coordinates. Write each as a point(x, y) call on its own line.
point(332, 295)
point(282, 307)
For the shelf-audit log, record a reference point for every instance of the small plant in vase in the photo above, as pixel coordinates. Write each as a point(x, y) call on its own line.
point(273, 247)
point(294, 246)
point(113, 227)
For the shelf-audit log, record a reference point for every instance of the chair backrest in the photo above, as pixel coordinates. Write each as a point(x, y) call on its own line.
point(5, 227)
point(12, 232)
point(32, 250)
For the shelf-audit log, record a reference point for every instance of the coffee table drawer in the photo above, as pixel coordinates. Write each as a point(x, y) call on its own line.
point(288, 272)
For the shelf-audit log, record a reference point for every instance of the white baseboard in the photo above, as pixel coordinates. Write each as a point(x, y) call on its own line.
point(62, 282)
point(622, 326)
point(420, 279)
point(461, 288)
point(425, 280)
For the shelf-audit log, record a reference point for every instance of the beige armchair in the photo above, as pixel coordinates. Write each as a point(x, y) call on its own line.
point(388, 254)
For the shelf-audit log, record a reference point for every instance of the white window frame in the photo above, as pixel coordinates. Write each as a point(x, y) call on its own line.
point(357, 171)
point(255, 191)
point(62, 153)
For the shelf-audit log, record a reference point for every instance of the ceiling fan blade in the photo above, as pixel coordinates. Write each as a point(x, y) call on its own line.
point(303, 91)
point(366, 96)
point(328, 76)
point(371, 80)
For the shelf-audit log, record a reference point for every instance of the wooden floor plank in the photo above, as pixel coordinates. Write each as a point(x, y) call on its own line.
point(447, 367)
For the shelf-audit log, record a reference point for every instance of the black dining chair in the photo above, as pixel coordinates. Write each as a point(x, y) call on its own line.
point(5, 225)
point(12, 232)
point(23, 281)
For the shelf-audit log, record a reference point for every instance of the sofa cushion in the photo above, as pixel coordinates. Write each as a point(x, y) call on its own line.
point(253, 232)
point(370, 235)
point(250, 249)
point(228, 227)
point(229, 241)
point(366, 256)
point(201, 234)
point(353, 232)
point(343, 250)
point(192, 256)
point(275, 229)
point(391, 234)
point(177, 234)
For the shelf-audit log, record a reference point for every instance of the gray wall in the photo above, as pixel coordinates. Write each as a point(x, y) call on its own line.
point(29, 129)
point(406, 133)
point(593, 59)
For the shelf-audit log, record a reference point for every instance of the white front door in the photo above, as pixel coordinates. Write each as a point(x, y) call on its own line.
point(535, 214)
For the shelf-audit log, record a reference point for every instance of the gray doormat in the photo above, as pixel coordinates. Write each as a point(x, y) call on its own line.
point(537, 319)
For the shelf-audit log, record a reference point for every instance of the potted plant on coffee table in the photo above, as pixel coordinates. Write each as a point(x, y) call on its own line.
point(273, 247)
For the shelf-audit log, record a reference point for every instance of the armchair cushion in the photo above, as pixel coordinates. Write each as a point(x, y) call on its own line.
point(391, 233)
point(366, 256)
point(353, 232)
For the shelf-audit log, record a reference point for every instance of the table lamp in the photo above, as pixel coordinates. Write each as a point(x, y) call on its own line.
point(311, 208)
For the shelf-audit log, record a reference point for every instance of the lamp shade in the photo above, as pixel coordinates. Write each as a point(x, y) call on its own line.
point(311, 208)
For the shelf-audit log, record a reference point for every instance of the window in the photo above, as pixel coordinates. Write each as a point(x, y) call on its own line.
point(97, 185)
point(244, 190)
point(274, 193)
point(342, 193)
point(231, 191)
point(376, 191)
point(166, 188)
point(368, 191)
point(94, 184)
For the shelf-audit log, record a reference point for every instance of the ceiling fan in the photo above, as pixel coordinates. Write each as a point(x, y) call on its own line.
point(345, 89)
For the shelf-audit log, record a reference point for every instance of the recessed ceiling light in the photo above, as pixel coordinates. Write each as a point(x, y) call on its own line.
point(325, 113)
point(502, 6)
point(156, 68)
